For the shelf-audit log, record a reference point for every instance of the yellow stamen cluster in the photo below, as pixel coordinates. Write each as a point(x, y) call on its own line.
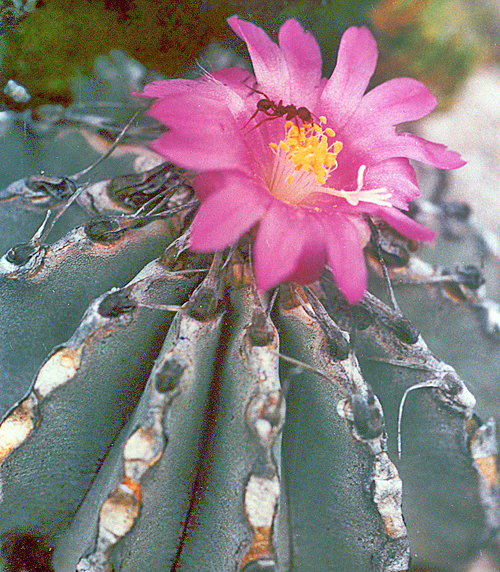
point(309, 150)
point(303, 163)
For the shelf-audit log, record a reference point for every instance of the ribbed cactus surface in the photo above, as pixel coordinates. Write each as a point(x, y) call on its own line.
point(190, 423)
point(160, 413)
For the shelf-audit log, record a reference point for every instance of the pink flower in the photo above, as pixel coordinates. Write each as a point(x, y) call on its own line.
point(305, 181)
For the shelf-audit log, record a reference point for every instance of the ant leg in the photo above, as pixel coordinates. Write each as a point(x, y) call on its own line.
point(250, 118)
point(268, 118)
point(270, 115)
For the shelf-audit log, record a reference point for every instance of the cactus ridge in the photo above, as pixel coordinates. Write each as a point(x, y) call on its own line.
point(191, 423)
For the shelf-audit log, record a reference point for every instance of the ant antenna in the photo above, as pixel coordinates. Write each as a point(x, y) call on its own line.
point(376, 235)
point(423, 385)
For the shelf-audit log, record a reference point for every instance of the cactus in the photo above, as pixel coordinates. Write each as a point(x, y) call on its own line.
point(155, 437)
point(190, 421)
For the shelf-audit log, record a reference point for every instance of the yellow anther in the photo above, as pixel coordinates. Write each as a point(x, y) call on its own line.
point(304, 160)
point(309, 149)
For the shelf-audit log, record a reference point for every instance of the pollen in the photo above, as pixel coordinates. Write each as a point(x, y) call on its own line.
point(309, 149)
point(303, 161)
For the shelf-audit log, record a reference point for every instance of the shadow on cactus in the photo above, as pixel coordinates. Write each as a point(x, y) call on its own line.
point(209, 412)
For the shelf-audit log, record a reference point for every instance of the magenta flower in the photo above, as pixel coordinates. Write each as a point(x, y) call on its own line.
point(300, 157)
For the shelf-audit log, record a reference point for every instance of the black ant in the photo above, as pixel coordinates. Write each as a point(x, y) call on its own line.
point(274, 111)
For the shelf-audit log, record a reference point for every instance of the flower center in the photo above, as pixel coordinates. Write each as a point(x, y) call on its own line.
point(304, 161)
point(309, 150)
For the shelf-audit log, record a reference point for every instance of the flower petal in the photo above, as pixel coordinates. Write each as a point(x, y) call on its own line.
point(356, 61)
point(419, 149)
point(405, 225)
point(237, 79)
point(233, 203)
point(393, 102)
point(167, 87)
point(311, 262)
point(285, 234)
point(219, 126)
point(217, 85)
point(267, 59)
point(303, 58)
point(203, 134)
point(375, 146)
point(346, 258)
point(398, 177)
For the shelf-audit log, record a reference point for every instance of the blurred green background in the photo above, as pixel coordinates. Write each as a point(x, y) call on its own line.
point(46, 47)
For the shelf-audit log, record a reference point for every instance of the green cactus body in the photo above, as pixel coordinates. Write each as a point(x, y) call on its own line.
point(160, 414)
point(159, 445)
point(76, 373)
point(334, 460)
point(187, 423)
point(156, 438)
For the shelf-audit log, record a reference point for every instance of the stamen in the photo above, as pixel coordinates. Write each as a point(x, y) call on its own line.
point(309, 150)
point(304, 161)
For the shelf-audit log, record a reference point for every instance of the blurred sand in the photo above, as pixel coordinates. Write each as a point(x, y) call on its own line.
point(472, 127)
point(483, 564)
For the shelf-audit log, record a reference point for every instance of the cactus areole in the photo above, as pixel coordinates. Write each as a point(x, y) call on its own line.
point(300, 159)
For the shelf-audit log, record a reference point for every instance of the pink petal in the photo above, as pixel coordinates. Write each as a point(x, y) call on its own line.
point(284, 235)
point(334, 208)
point(419, 149)
point(233, 204)
point(211, 182)
point(303, 58)
point(311, 262)
point(267, 59)
point(393, 102)
point(395, 174)
point(405, 225)
point(376, 146)
point(356, 61)
point(346, 258)
point(203, 134)
point(398, 176)
point(167, 87)
point(221, 85)
point(237, 79)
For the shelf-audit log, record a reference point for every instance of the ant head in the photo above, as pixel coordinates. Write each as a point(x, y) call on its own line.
point(265, 105)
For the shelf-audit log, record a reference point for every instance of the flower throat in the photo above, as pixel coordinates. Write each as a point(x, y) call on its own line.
point(305, 158)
